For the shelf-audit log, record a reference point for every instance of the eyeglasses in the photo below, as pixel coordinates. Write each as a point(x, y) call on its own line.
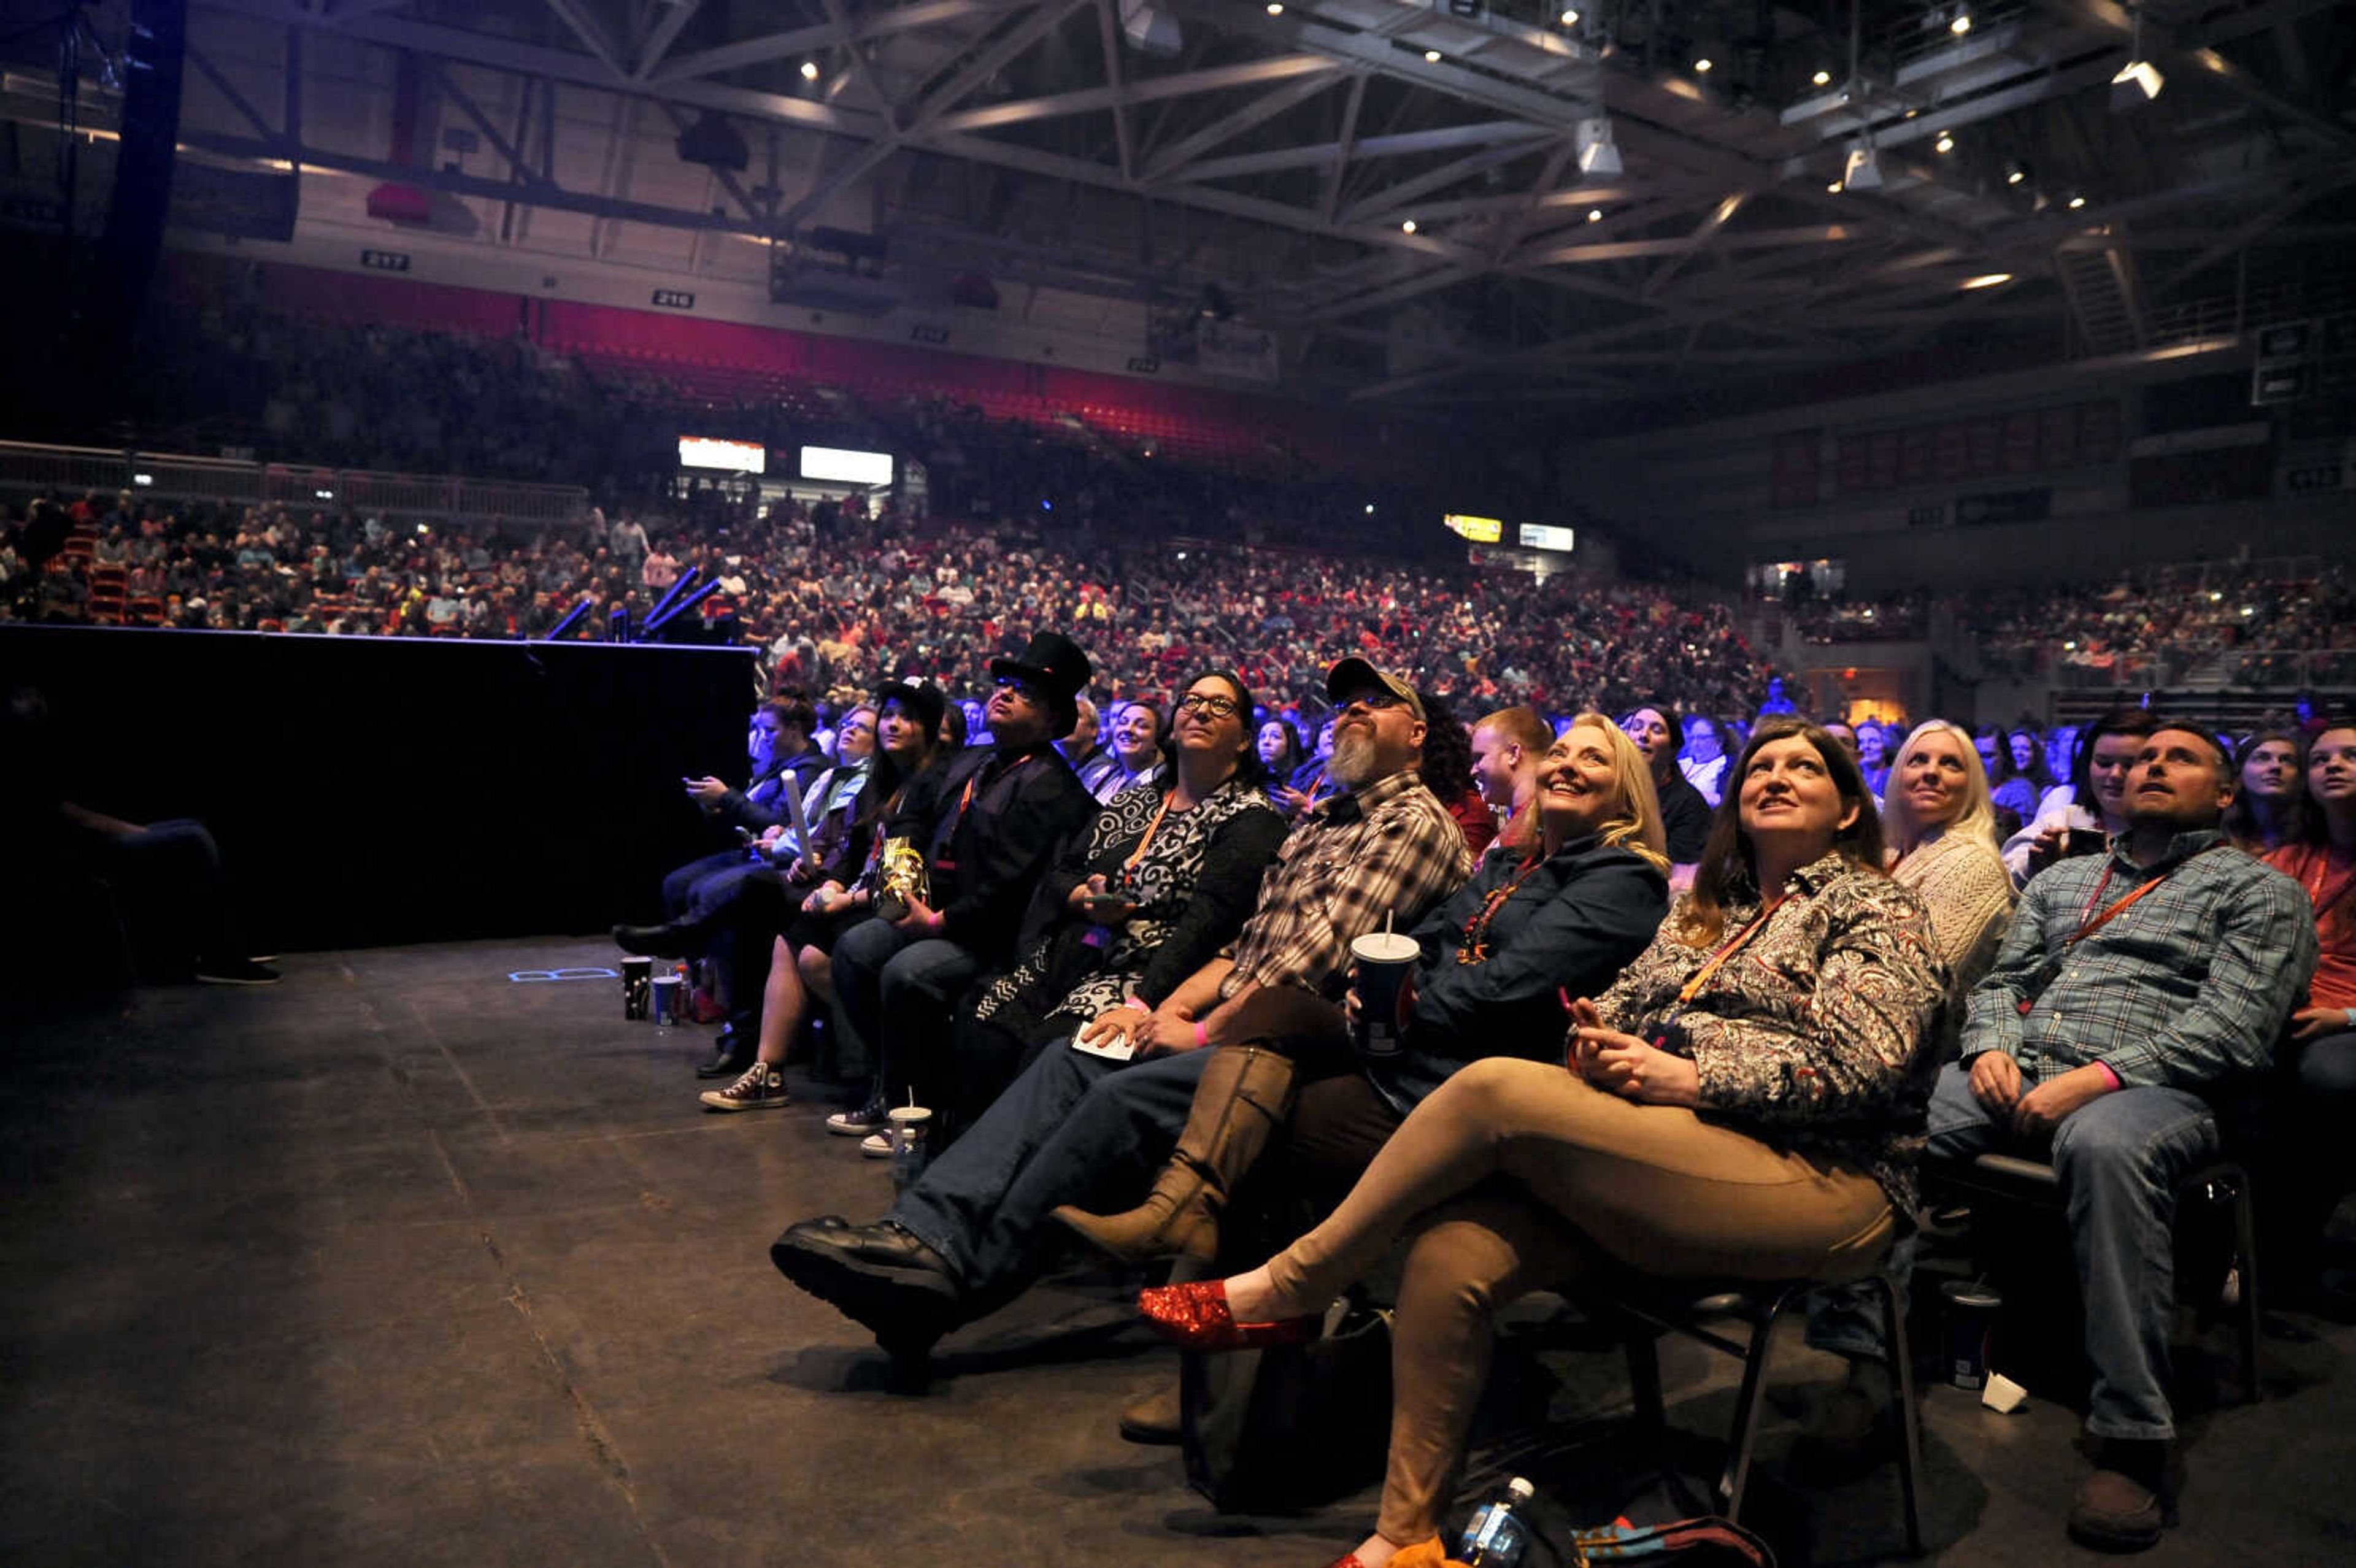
point(1207, 705)
point(1018, 686)
point(1378, 700)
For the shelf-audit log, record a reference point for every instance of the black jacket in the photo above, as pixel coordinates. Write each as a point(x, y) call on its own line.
point(990, 848)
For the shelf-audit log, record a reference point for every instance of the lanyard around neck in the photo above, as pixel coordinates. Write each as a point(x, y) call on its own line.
point(1743, 939)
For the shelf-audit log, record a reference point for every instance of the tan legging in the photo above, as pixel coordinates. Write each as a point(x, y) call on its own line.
point(1655, 1187)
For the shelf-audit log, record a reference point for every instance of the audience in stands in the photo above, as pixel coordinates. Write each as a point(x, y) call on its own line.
point(1514, 1175)
point(2270, 806)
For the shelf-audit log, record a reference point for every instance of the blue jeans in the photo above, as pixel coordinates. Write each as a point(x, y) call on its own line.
point(1072, 1127)
point(2120, 1157)
point(175, 868)
point(895, 991)
point(685, 892)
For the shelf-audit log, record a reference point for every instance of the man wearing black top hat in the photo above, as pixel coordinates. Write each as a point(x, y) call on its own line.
point(998, 814)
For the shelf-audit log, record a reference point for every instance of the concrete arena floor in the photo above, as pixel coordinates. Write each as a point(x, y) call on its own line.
point(406, 1262)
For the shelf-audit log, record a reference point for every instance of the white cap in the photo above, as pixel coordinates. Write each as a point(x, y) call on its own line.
point(1520, 1490)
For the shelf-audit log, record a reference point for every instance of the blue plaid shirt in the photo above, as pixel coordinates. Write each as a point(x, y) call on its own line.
point(2192, 983)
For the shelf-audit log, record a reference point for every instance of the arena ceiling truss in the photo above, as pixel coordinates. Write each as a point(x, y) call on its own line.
point(1407, 192)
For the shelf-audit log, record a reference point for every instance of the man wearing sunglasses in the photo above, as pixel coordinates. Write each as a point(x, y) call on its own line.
point(997, 813)
point(1079, 1127)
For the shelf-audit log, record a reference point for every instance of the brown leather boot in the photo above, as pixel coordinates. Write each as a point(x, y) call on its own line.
point(1245, 1093)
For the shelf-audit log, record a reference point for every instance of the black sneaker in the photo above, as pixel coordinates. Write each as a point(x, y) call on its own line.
point(235, 972)
point(859, 1123)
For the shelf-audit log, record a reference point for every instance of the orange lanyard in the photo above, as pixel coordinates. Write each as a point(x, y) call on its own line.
point(1743, 939)
point(1475, 948)
point(2088, 926)
point(1151, 830)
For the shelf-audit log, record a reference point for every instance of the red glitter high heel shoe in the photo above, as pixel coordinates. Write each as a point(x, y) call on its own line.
point(1195, 1317)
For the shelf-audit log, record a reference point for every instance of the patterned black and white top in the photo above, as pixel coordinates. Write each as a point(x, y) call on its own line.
point(1192, 887)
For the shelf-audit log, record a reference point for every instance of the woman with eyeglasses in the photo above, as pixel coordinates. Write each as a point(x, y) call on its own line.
point(1165, 875)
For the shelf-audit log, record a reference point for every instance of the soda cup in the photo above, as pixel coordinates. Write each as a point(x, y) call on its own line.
point(638, 986)
point(667, 1003)
point(911, 1125)
point(1972, 1311)
point(1385, 961)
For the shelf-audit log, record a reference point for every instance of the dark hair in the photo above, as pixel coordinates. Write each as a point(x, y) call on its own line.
point(2003, 768)
point(953, 720)
point(2240, 819)
point(2134, 721)
point(1249, 769)
point(1294, 753)
point(1447, 765)
point(1667, 763)
point(793, 710)
point(2035, 772)
point(1727, 870)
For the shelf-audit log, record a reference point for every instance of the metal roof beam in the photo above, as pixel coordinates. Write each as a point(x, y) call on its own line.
point(1089, 99)
point(1174, 158)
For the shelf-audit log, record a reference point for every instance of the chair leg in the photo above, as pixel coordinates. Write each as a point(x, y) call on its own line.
point(1645, 1377)
point(2245, 1243)
point(1745, 1408)
point(1902, 1411)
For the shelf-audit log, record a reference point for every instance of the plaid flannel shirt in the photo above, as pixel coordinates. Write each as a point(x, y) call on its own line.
point(1388, 848)
point(2191, 984)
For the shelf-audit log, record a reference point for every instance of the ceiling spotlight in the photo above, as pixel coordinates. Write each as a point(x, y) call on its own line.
point(1987, 280)
point(2076, 202)
point(1274, 9)
point(1599, 153)
point(1431, 56)
point(1701, 65)
point(1945, 144)
point(1862, 171)
point(810, 70)
point(2014, 170)
point(1834, 188)
point(1570, 17)
point(2138, 83)
point(1822, 78)
point(1595, 215)
point(1408, 226)
point(1961, 23)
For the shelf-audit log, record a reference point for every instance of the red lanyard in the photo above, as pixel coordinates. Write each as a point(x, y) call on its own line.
point(1475, 949)
point(2091, 922)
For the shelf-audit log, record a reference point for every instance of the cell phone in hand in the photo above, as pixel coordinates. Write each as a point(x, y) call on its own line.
point(2082, 841)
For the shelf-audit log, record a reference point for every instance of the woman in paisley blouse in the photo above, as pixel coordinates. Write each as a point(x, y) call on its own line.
point(1165, 878)
point(1745, 1100)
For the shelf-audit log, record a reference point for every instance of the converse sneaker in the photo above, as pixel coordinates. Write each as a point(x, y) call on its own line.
point(876, 1146)
point(858, 1124)
point(762, 1088)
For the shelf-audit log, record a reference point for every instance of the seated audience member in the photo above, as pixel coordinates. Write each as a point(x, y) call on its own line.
point(1078, 1125)
point(997, 815)
point(697, 898)
point(1705, 754)
point(2270, 807)
point(2060, 750)
point(1150, 894)
point(2128, 982)
point(2028, 760)
point(1090, 761)
point(1873, 756)
point(1447, 769)
point(1138, 761)
point(2322, 1056)
point(1564, 914)
point(1684, 815)
point(1508, 748)
point(907, 752)
point(2098, 802)
point(1313, 782)
point(1938, 827)
point(1280, 756)
point(2008, 788)
point(1741, 1101)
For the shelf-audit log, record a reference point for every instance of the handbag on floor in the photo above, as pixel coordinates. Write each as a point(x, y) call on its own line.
point(1292, 1426)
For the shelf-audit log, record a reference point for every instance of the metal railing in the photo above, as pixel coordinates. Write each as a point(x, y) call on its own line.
point(28, 468)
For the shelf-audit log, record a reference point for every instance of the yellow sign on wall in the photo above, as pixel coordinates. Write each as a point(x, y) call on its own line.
point(1480, 530)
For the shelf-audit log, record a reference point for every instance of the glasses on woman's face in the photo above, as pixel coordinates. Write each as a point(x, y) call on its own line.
point(1207, 705)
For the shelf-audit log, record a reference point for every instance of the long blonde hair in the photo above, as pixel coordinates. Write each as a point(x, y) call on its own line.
point(1975, 823)
point(1637, 826)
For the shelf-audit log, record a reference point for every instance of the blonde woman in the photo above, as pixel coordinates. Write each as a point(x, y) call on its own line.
point(1561, 917)
point(1940, 825)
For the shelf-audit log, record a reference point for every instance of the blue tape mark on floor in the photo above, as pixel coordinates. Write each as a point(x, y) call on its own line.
point(541, 976)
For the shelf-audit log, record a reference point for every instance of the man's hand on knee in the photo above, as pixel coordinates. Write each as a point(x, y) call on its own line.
point(2043, 1108)
point(1995, 1082)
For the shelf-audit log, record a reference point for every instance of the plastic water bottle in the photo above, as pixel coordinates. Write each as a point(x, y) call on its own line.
point(1498, 1537)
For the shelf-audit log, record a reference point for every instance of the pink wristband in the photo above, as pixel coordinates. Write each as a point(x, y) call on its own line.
point(2111, 1073)
point(1202, 1035)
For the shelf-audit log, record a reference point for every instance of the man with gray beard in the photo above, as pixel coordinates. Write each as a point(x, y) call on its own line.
point(1085, 1128)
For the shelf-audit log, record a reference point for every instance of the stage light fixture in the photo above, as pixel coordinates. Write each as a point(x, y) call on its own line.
point(1862, 171)
point(2014, 170)
point(1408, 226)
point(1834, 188)
point(1702, 66)
point(1987, 280)
point(1822, 78)
point(1961, 22)
point(1598, 151)
point(1595, 215)
point(1570, 19)
point(2076, 202)
point(1431, 56)
point(2138, 81)
point(810, 70)
point(1945, 144)
point(1274, 9)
